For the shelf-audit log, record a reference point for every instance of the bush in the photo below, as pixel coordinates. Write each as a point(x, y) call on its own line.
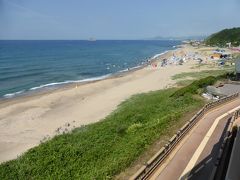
point(194, 87)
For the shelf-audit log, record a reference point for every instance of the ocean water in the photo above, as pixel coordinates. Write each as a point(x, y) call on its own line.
point(26, 66)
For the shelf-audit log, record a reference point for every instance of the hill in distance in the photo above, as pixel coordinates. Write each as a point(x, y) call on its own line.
point(225, 36)
point(182, 38)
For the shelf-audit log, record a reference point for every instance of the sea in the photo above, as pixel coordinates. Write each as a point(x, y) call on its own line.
point(29, 66)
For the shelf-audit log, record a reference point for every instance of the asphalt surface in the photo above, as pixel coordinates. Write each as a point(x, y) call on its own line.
point(229, 89)
point(195, 155)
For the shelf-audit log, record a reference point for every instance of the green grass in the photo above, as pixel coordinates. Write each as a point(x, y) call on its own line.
point(104, 149)
point(197, 86)
point(186, 78)
point(184, 82)
point(198, 75)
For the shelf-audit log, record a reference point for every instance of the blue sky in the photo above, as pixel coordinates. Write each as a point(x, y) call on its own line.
point(115, 19)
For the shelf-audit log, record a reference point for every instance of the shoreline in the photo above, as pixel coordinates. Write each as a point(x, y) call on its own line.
point(26, 121)
point(51, 87)
point(44, 91)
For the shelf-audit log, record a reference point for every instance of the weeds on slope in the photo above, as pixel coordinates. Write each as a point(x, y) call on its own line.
point(104, 149)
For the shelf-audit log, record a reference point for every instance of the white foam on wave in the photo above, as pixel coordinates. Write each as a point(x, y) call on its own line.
point(135, 67)
point(13, 94)
point(70, 82)
point(10, 95)
point(129, 69)
point(124, 70)
point(158, 55)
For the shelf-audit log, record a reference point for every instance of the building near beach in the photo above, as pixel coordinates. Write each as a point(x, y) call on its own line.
point(237, 67)
point(229, 44)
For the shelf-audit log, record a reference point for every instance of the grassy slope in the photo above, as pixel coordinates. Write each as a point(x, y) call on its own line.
point(199, 75)
point(186, 78)
point(225, 36)
point(103, 149)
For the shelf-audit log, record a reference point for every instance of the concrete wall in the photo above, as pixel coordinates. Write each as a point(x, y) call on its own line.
point(233, 172)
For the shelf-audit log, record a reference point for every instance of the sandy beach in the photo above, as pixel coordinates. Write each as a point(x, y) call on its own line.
point(25, 121)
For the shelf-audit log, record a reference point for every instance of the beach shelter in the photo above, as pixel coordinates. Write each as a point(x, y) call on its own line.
point(216, 56)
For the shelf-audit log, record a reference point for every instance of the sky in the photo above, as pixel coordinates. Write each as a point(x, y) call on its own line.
point(115, 19)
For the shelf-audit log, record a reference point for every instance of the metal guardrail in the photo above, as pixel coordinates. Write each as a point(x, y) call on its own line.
point(146, 170)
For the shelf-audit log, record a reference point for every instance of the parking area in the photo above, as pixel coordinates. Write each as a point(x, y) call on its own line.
point(229, 89)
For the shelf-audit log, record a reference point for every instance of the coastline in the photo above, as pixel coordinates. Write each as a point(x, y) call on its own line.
point(57, 85)
point(26, 121)
point(51, 88)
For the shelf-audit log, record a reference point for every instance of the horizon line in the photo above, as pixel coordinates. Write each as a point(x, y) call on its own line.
point(90, 40)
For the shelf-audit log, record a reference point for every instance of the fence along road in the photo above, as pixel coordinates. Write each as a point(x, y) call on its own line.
point(193, 143)
point(197, 154)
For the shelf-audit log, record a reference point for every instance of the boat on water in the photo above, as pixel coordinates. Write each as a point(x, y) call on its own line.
point(92, 39)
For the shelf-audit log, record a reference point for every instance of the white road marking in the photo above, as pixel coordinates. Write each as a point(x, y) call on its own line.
point(204, 142)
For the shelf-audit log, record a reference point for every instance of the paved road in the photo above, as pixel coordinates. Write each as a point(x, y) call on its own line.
point(195, 156)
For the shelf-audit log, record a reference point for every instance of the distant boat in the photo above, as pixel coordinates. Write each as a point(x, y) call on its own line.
point(92, 39)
